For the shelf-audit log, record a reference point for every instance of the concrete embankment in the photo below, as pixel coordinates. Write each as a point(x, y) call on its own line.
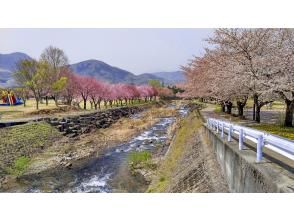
point(190, 165)
point(243, 173)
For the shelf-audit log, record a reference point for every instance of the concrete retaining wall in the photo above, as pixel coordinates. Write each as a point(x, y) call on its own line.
point(243, 174)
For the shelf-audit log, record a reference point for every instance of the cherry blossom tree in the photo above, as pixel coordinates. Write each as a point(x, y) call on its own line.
point(280, 72)
point(84, 88)
point(248, 48)
point(70, 91)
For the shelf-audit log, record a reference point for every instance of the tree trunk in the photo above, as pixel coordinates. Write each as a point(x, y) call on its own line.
point(24, 102)
point(37, 103)
point(289, 113)
point(255, 104)
point(240, 106)
point(85, 104)
point(56, 100)
point(229, 107)
point(46, 100)
point(95, 106)
point(223, 107)
point(257, 115)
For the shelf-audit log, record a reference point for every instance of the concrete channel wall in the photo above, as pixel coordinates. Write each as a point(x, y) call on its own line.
point(244, 174)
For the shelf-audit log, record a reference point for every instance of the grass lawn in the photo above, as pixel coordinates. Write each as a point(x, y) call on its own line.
point(276, 130)
point(276, 105)
point(19, 111)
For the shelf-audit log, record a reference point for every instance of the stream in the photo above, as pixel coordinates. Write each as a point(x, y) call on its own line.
point(107, 172)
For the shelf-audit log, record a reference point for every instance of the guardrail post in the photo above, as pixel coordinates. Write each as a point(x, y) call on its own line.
point(241, 140)
point(222, 135)
point(259, 148)
point(217, 127)
point(230, 133)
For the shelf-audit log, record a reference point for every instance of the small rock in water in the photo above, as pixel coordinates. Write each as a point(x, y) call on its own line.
point(68, 165)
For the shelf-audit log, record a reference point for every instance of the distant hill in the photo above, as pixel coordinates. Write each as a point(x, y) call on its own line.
point(171, 77)
point(7, 67)
point(103, 71)
point(94, 68)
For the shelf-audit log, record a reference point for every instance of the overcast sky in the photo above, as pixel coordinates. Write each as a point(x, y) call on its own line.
point(135, 50)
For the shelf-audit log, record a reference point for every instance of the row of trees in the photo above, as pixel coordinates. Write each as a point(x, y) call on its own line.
point(85, 88)
point(50, 76)
point(244, 63)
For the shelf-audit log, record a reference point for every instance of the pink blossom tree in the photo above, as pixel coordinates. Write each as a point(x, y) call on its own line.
point(85, 86)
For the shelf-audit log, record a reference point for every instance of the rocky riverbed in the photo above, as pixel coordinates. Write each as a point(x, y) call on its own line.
point(103, 170)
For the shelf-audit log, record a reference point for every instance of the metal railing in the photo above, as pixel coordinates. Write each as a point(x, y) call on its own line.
point(277, 144)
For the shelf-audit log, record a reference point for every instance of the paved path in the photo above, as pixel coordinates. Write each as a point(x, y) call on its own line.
point(267, 116)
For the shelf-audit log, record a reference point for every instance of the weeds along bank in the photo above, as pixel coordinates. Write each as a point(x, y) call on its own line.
point(50, 149)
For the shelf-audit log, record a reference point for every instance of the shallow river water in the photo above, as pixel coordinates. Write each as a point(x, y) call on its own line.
point(109, 171)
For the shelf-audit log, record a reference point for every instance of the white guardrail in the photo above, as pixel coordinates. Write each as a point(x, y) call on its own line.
point(277, 144)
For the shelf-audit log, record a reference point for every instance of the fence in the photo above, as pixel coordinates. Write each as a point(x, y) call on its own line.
point(262, 139)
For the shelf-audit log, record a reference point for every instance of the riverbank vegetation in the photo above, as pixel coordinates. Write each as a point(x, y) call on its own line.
point(141, 160)
point(19, 143)
point(19, 166)
point(186, 128)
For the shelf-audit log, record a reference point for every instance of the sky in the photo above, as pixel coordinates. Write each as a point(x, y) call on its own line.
point(135, 50)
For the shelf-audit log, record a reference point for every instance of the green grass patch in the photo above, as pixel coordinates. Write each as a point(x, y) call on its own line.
point(25, 140)
point(218, 109)
point(286, 132)
point(141, 160)
point(20, 164)
point(136, 158)
point(188, 127)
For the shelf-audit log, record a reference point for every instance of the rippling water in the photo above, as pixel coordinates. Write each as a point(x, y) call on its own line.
point(108, 172)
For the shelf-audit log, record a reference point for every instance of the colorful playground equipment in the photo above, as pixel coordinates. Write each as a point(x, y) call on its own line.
point(8, 98)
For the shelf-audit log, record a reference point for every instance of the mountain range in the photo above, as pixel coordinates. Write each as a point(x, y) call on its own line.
point(7, 67)
point(94, 68)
